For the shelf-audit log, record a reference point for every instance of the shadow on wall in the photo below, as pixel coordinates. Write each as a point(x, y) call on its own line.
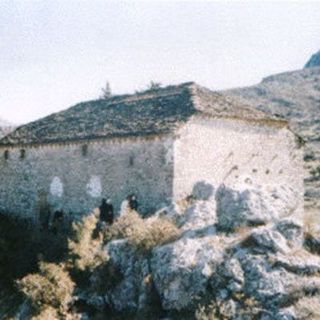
point(202, 190)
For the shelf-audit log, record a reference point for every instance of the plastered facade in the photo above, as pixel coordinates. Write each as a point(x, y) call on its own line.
point(233, 152)
point(75, 178)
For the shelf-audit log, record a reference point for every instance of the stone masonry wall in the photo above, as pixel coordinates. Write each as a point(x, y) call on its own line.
point(74, 179)
point(234, 153)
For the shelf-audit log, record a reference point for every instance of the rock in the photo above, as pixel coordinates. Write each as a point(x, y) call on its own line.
point(228, 279)
point(300, 262)
point(292, 230)
point(312, 243)
point(200, 216)
point(245, 205)
point(259, 274)
point(265, 240)
point(181, 270)
point(135, 290)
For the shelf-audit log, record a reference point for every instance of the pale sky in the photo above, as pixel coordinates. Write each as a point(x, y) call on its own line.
point(54, 54)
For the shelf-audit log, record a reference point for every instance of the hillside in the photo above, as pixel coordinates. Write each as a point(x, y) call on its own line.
point(295, 96)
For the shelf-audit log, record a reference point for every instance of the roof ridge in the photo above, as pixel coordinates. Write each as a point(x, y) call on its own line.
point(154, 111)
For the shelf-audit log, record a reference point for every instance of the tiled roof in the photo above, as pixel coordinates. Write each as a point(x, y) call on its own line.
point(155, 111)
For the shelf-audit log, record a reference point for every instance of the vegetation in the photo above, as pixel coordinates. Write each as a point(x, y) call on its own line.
point(144, 234)
point(106, 91)
point(49, 289)
point(308, 308)
point(51, 270)
point(86, 250)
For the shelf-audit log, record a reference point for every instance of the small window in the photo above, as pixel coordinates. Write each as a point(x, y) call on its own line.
point(22, 154)
point(131, 161)
point(6, 154)
point(84, 150)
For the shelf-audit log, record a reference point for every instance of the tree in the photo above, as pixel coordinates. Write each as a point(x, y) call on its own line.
point(106, 91)
point(154, 85)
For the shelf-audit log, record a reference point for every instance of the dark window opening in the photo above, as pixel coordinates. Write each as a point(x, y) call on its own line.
point(131, 161)
point(22, 154)
point(84, 150)
point(6, 154)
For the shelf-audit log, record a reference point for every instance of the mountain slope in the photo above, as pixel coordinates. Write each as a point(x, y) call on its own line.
point(295, 96)
point(314, 61)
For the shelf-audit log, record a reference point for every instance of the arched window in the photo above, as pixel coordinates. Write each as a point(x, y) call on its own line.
point(22, 154)
point(6, 154)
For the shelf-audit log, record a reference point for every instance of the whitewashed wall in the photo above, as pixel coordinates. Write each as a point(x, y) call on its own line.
point(234, 152)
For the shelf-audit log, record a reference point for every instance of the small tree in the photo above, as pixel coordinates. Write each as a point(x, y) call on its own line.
point(106, 91)
point(154, 85)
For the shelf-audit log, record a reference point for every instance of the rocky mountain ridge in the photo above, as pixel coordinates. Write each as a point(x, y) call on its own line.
point(314, 61)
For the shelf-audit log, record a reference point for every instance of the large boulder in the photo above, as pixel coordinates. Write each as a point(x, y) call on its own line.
point(181, 270)
point(135, 290)
point(245, 205)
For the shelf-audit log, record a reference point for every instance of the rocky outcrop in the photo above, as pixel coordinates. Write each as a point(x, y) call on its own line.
point(314, 61)
point(247, 259)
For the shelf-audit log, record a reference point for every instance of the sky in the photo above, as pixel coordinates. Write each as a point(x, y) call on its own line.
point(54, 54)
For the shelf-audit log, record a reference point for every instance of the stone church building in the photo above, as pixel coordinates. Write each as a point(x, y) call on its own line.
point(157, 144)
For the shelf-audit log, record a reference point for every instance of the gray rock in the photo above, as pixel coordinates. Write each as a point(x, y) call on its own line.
point(194, 215)
point(134, 291)
point(292, 230)
point(181, 270)
point(246, 205)
point(266, 239)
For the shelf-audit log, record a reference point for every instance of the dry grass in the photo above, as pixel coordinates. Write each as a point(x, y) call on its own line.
point(51, 288)
point(144, 234)
point(86, 251)
point(311, 225)
point(308, 308)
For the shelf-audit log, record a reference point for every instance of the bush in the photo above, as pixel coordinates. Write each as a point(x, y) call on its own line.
point(48, 313)
point(85, 250)
point(51, 288)
point(142, 233)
